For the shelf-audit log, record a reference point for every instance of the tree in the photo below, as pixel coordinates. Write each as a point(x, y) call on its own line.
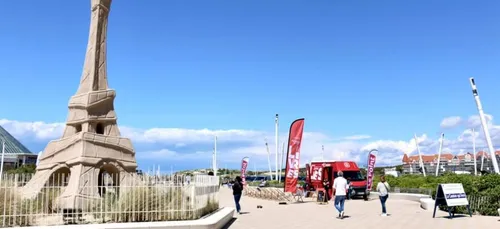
point(399, 168)
point(24, 169)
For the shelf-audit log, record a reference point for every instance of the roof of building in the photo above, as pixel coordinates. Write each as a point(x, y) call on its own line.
point(12, 145)
point(445, 156)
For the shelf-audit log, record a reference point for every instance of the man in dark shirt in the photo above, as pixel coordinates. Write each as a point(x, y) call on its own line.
point(350, 189)
point(326, 186)
point(237, 190)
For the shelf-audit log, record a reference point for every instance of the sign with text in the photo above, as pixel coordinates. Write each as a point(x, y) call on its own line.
point(370, 170)
point(293, 155)
point(244, 166)
point(454, 195)
point(317, 173)
point(451, 195)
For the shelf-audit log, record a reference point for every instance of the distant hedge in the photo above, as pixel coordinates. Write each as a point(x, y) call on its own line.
point(273, 183)
point(483, 192)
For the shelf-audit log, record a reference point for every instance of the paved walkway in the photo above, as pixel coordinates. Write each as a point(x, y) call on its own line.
point(403, 214)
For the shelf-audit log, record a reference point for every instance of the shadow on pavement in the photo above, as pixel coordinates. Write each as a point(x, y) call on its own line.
point(229, 223)
point(456, 216)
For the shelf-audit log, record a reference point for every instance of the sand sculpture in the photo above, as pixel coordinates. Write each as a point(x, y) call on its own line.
point(91, 144)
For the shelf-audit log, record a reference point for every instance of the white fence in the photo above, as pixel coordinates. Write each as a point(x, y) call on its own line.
point(138, 198)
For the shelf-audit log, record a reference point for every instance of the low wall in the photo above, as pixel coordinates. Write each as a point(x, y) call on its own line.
point(402, 196)
point(426, 201)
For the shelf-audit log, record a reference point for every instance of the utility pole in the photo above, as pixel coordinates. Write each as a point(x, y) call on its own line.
point(474, 150)
point(420, 156)
point(276, 142)
point(485, 126)
point(269, 160)
point(439, 154)
point(215, 157)
point(2, 161)
point(322, 153)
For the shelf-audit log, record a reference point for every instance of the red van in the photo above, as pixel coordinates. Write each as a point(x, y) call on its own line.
point(321, 170)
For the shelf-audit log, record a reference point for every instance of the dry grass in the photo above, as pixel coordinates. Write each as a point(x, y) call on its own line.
point(133, 204)
point(209, 208)
point(45, 201)
point(14, 209)
point(145, 204)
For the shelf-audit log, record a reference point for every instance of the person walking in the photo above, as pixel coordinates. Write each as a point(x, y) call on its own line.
point(349, 188)
point(326, 186)
point(237, 190)
point(383, 190)
point(340, 189)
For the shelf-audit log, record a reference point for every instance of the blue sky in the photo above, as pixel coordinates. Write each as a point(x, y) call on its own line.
point(381, 69)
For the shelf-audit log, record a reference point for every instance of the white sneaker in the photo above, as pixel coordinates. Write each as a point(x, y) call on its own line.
point(342, 214)
point(384, 214)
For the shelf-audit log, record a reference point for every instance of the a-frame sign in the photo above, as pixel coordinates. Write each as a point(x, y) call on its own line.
point(451, 195)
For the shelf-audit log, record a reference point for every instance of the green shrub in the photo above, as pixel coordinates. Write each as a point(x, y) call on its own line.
point(274, 184)
point(253, 183)
point(23, 169)
point(485, 189)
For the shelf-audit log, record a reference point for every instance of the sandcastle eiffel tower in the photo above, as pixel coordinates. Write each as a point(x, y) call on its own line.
point(91, 144)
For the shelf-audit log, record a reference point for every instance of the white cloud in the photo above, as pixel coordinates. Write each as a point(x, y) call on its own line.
point(196, 145)
point(173, 155)
point(451, 122)
point(475, 122)
point(357, 137)
point(186, 136)
point(38, 130)
point(180, 144)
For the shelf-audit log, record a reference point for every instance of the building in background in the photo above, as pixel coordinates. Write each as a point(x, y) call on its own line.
point(461, 164)
point(16, 154)
point(391, 171)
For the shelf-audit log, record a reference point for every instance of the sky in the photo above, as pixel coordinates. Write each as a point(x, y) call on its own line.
point(364, 75)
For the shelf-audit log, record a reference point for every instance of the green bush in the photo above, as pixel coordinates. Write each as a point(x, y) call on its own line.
point(273, 183)
point(23, 169)
point(483, 192)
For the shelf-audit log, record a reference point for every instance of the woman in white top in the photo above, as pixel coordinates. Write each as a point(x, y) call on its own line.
point(383, 190)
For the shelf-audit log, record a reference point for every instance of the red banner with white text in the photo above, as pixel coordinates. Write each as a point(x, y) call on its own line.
point(370, 170)
point(317, 173)
point(244, 165)
point(293, 155)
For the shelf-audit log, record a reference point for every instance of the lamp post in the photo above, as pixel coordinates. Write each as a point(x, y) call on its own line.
point(484, 125)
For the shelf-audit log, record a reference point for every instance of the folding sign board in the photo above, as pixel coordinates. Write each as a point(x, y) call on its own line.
point(451, 195)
